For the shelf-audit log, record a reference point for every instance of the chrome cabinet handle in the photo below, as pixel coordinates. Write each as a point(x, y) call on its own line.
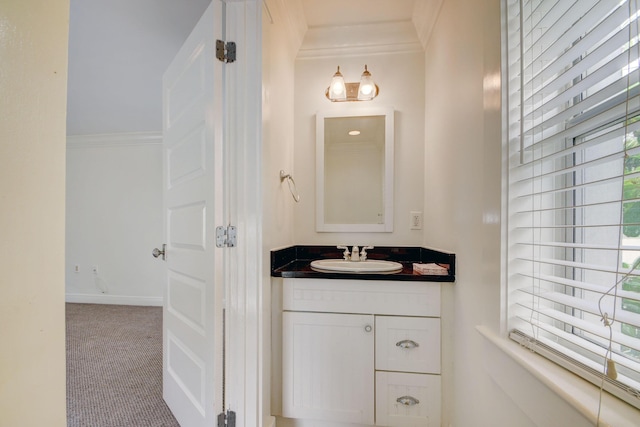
point(407, 400)
point(407, 344)
point(368, 328)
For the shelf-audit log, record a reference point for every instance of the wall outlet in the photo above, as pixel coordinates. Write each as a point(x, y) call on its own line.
point(416, 220)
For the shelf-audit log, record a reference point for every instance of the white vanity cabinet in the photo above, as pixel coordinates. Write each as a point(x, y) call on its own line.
point(361, 351)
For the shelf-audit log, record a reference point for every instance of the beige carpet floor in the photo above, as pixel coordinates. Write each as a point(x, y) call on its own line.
point(114, 367)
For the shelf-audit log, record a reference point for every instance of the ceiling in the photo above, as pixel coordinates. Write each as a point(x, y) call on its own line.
point(322, 13)
point(118, 50)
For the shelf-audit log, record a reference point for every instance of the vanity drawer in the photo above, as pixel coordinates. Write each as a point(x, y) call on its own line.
point(408, 344)
point(362, 296)
point(407, 400)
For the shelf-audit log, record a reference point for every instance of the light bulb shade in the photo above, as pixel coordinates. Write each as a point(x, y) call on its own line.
point(337, 88)
point(367, 89)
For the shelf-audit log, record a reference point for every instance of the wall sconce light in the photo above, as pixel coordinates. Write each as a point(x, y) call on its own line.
point(365, 90)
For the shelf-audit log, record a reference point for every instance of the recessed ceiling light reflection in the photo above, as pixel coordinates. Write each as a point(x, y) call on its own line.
point(354, 132)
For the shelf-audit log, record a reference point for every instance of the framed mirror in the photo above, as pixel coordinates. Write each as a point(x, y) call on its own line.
point(354, 171)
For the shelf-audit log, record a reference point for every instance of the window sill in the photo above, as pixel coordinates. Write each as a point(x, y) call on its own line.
point(578, 393)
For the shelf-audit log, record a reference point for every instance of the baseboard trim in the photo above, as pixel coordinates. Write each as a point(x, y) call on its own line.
point(113, 299)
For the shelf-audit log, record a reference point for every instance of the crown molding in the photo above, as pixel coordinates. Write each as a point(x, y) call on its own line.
point(425, 15)
point(363, 39)
point(290, 13)
point(124, 139)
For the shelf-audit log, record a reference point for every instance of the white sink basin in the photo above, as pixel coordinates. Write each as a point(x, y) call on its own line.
point(367, 266)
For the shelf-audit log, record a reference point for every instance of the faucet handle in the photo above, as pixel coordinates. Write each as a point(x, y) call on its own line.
point(346, 252)
point(363, 252)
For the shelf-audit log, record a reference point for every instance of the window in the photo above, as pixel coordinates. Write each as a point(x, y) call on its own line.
point(574, 186)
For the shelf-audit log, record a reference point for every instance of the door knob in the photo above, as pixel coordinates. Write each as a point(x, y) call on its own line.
point(157, 252)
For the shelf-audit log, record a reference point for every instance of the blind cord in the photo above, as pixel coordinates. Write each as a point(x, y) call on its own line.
point(535, 249)
point(609, 368)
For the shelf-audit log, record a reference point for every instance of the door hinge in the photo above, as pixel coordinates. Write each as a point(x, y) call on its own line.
point(226, 236)
point(226, 52)
point(227, 419)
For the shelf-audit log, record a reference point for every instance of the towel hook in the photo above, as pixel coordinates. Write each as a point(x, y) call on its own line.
point(294, 190)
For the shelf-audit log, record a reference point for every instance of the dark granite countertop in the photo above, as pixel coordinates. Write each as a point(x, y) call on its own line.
point(294, 261)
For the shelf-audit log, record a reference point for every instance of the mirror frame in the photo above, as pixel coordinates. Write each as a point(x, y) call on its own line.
point(387, 190)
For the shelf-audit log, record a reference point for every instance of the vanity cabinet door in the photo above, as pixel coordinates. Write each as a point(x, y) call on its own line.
point(328, 367)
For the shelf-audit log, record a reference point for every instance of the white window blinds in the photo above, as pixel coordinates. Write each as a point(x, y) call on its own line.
point(574, 185)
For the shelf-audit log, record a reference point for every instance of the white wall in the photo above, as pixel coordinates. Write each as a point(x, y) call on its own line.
point(33, 79)
point(114, 219)
point(281, 40)
point(280, 44)
point(400, 76)
point(481, 385)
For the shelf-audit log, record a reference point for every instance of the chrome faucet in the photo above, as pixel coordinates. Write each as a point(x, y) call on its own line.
point(356, 253)
point(346, 254)
point(363, 252)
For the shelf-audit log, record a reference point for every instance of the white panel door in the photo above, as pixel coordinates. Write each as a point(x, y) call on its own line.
point(193, 195)
point(327, 365)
